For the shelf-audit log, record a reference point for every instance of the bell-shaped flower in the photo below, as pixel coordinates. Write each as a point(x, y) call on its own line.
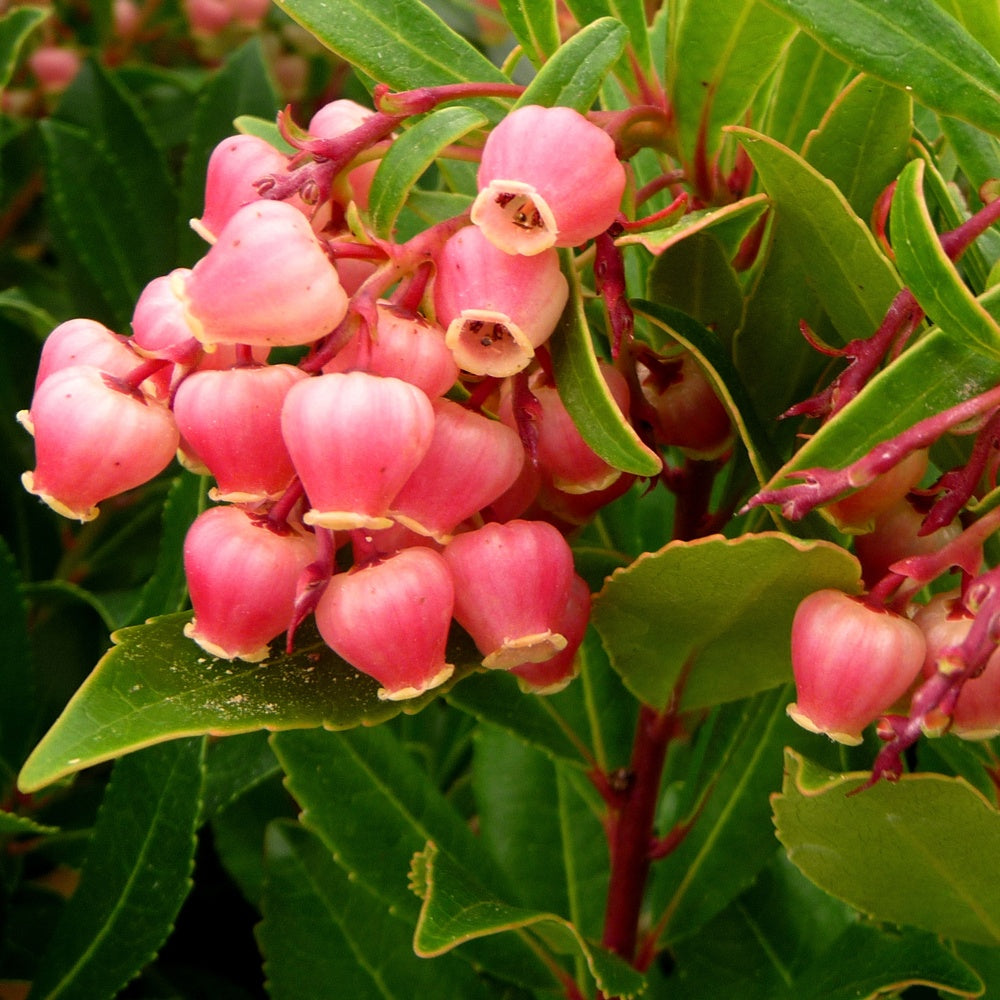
point(512, 585)
point(471, 461)
point(93, 440)
point(231, 421)
point(335, 119)
point(241, 575)
point(160, 327)
point(355, 439)
point(266, 280)
point(548, 178)
point(390, 620)
point(405, 346)
point(496, 308)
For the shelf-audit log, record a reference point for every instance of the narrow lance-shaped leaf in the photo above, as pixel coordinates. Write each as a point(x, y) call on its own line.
point(573, 76)
point(585, 393)
point(920, 851)
point(399, 42)
point(717, 611)
point(928, 272)
point(534, 25)
point(915, 45)
point(409, 156)
point(155, 685)
point(15, 27)
point(134, 879)
point(454, 911)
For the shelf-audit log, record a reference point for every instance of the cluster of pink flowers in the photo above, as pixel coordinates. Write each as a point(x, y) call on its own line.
point(348, 484)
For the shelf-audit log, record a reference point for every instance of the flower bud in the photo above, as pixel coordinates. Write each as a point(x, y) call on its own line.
point(851, 663)
point(548, 178)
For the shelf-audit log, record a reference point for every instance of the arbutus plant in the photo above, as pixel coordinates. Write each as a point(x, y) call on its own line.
point(579, 575)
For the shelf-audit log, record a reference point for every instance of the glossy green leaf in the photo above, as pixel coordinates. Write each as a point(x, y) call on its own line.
point(263, 128)
point(806, 83)
point(921, 851)
point(669, 327)
point(135, 877)
point(632, 14)
point(916, 46)
point(15, 27)
point(863, 141)
point(98, 104)
point(585, 393)
point(156, 685)
point(730, 224)
point(454, 911)
point(234, 766)
point(534, 25)
point(928, 272)
point(320, 928)
point(495, 697)
point(12, 825)
point(716, 611)
point(241, 86)
point(399, 42)
point(980, 18)
point(720, 55)
point(409, 156)
point(373, 807)
point(729, 842)
point(853, 280)
point(573, 76)
point(900, 396)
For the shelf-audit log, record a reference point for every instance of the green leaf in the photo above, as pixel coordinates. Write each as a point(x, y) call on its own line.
point(632, 13)
point(928, 272)
point(979, 18)
point(454, 911)
point(854, 282)
point(242, 86)
point(409, 156)
point(585, 394)
point(15, 27)
point(720, 55)
point(704, 345)
point(12, 825)
point(320, 930)
point(920, 851)
point(863, 141)
point(263, 128)
point(915, 46)
point(99, 105)
point(235, 766)
point(107, 250)
point(134, 879)
point(715, 611)
point(727, 798)
point(399, 42)
point(573, 76)
point(900, 396)
point(729, 224)
point(155, 684)
point(534, 25)
point(374, 807)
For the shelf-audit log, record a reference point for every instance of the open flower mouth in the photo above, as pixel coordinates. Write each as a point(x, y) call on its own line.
point(515, 217)
point(488, 343)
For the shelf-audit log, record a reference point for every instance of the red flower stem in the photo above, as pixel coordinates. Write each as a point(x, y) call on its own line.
point(631, 830)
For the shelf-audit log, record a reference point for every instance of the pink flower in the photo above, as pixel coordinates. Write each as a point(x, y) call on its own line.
point(241, 575)
point(355, 439)
point(390, 620)
point(851, 663)
point(265, 281)
point(496, 308)
point(93, 440)
point(512, 585)
point(336, 119)
point(231, 420)
point(548, 178)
